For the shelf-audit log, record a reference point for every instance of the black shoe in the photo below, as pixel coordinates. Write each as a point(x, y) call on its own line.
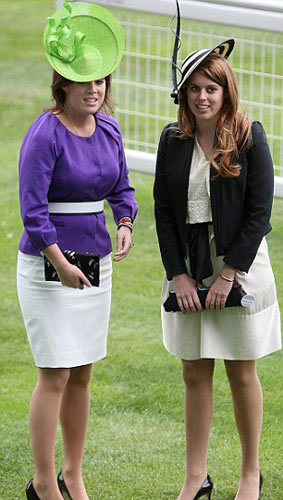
point(260, 484)
point(205, 489)
point(62, 486)
point(30, 491)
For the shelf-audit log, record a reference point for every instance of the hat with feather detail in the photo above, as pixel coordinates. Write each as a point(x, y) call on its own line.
point(194, 59)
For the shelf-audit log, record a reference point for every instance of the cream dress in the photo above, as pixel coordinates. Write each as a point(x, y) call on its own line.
point(235, 333)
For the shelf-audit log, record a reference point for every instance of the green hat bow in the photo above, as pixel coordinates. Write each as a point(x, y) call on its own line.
point(61, 42)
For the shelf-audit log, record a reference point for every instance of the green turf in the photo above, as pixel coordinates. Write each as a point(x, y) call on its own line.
point(135, 446)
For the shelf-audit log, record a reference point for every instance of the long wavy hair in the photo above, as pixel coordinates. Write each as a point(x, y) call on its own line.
point(59, 94)
point(233, 129)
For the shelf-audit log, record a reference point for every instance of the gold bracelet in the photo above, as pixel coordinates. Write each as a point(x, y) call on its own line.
point(225, 278)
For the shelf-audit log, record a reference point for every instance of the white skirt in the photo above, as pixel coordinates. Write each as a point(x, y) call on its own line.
point(66, 327)
point(234, 333)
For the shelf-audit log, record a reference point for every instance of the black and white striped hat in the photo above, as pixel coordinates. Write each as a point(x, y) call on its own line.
point(194, 59)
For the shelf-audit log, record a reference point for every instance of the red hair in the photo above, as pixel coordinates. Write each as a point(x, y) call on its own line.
point(233, 129)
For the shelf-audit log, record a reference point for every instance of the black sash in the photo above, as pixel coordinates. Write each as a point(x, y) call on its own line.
point(199, 251)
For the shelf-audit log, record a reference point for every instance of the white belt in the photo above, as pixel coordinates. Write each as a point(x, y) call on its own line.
point(75, 207)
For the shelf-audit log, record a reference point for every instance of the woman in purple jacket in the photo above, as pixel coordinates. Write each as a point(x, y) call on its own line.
point(72, 158)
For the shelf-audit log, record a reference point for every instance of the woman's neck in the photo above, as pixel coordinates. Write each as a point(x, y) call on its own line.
point(204, 129)
point(80, 120)
point(79, 124)
point(205, 137)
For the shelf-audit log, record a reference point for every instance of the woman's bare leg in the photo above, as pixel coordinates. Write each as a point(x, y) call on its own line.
point(247, 402)
point(44, 414)
point(198, 378)
point(74, 415)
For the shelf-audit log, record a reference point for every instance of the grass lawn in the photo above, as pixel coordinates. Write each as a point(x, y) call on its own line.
point(135, 446)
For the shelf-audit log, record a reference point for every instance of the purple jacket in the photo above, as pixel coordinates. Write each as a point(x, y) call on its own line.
point(57, 165)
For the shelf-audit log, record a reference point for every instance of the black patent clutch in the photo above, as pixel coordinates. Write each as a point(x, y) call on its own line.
point(88, 263)
point(237, 297)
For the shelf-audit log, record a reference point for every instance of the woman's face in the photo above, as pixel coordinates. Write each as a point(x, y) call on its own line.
point(85, 98)
point(205, 98)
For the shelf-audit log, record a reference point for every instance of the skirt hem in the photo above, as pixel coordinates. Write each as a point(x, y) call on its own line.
point(225, 358)
point(69, 364)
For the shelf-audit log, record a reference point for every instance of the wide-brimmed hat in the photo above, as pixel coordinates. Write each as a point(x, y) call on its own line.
point(194, 59)
point(83, 41)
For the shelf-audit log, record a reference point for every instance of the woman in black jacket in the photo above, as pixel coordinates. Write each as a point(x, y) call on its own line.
point(213, 198)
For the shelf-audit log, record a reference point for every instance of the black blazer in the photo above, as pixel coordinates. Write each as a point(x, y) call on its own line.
point(241, 206)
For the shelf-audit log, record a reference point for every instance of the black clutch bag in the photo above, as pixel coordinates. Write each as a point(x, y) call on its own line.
point(88, 263)
point(237, 297)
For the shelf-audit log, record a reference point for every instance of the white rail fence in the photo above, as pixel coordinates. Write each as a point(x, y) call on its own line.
point(142, 82)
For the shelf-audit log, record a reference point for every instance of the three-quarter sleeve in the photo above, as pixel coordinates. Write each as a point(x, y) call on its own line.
point(36, 165)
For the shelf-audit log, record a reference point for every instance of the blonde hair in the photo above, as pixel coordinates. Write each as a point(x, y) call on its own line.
point(233, 129)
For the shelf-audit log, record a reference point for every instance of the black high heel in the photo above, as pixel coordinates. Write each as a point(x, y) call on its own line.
point(30, 491)
point(260, 484)
point(62, 486)
point(205, 489)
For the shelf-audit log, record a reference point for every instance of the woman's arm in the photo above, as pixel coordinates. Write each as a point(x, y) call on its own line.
point(121, 198)
point(258, 202)
point(166, 225)
point(168, 237)
point(123, 204)
point(36, 164)
point(258, 205)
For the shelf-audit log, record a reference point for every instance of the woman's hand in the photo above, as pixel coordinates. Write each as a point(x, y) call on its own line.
point(123, 243)
point(72, 276)
point(220, 289)
point(186, 293)
point(69, 275)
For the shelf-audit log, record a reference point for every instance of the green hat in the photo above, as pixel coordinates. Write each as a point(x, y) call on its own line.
point(83, 41)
